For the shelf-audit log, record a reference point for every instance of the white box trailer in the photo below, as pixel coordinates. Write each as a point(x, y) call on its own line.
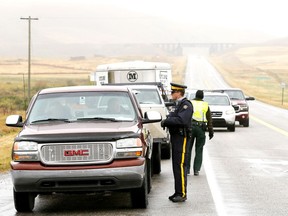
point(133, 72)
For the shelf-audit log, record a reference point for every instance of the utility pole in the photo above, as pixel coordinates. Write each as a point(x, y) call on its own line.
point(29, 54)
point(283, 85)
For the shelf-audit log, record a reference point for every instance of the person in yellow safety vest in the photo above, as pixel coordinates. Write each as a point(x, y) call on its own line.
point(201, 120)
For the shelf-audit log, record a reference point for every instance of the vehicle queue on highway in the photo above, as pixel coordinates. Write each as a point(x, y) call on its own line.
point(35, 147)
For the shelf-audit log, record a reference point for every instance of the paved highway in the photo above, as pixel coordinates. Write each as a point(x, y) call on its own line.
point(245, 172)
point(248, 169)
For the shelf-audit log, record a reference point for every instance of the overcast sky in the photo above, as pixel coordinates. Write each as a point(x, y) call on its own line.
point(104, 21)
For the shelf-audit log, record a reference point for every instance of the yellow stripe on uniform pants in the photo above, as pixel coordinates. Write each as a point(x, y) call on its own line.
point(182, 168)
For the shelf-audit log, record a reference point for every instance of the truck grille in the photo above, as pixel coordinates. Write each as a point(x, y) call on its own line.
point(76, 153)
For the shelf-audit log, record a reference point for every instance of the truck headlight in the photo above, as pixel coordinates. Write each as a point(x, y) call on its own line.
point(129, 148)
point(25, 151)
point(128, 143)
point(244, 108)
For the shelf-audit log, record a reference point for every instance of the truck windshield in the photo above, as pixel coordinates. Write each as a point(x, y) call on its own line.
point(235, 95)
point(82, 105)
point(148, 96)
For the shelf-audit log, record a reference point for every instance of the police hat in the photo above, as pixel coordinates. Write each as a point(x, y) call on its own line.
point(177, 87)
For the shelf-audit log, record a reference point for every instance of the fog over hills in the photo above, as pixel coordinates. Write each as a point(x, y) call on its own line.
point(114, 33)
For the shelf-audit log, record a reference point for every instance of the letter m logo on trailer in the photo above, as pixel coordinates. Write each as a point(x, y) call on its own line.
point(133, 72)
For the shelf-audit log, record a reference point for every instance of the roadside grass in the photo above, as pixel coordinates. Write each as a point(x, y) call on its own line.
point(46, 73)
point(7, 136)
point(258, 71)
point(5, 150)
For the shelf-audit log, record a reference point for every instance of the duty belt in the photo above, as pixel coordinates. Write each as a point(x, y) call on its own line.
point(198, 123)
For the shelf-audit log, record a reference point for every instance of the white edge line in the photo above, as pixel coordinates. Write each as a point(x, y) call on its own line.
point(214, 188)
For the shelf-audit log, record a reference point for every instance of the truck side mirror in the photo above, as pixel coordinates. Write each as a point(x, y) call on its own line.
point(14, 121)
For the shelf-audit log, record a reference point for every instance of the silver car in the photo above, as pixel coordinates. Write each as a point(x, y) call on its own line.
point(222, 111)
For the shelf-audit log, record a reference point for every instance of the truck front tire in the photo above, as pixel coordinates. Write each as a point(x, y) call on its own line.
point(24, 201)
point(139, 196)
point(156, 158)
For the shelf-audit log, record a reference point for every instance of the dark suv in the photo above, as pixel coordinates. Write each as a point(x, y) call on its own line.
point(73, 140)
point(240, 104)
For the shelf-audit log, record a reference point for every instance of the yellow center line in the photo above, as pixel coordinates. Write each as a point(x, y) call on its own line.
point(285, 133)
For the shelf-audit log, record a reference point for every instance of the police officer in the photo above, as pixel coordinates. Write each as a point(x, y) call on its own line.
point(201, 119)
point(179, 122)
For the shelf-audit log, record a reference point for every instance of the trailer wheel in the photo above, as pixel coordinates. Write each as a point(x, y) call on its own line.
point(166, 151)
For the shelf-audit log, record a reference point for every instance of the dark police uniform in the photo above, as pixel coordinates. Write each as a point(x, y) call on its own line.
point(179, 123)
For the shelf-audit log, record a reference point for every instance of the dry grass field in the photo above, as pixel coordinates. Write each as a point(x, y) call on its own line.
point(52, 73)
point(259, 71)
point(59, 72)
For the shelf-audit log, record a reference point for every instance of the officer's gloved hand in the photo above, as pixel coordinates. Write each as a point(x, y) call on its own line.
point(211, 134)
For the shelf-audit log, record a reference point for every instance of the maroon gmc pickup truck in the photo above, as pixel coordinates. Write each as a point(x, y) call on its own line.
point(82, 139)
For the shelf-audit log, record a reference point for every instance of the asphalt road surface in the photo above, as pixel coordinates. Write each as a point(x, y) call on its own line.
point(244, 172)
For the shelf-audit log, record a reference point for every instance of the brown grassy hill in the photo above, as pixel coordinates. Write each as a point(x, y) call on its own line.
point(260, 71)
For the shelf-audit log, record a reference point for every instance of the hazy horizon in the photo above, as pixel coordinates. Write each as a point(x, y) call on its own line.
point(69, 28)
